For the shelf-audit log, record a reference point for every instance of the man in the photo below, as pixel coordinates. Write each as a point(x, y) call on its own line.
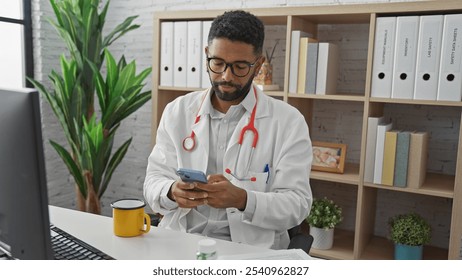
point(255, 193)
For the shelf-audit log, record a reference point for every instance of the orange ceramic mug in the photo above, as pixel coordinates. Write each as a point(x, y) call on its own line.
point(129, 217)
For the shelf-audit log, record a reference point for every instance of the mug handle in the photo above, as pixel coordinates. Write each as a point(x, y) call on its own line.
point(147, 220)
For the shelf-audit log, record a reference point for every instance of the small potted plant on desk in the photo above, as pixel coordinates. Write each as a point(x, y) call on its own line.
point(409, 232)
point(323, 218)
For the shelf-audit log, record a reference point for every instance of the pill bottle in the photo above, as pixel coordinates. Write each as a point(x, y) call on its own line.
point(206, 249)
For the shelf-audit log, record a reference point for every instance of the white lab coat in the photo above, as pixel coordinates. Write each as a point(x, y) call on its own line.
point(283, 199)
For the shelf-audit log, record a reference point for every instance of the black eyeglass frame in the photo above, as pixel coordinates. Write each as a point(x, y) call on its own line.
point(250, 65)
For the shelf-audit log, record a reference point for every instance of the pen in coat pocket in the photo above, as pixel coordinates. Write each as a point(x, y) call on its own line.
point(267, 170)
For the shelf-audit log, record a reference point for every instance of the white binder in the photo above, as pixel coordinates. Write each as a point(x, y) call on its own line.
point(405, 55)
point(194, 57)
point(205, 80)
point(180, 39)
point(382, 64)
point(450, 81)
point(294, 58)
point(428, 57)
point(166, 54)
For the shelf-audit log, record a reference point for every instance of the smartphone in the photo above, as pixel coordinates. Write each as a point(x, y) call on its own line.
point(191, 175)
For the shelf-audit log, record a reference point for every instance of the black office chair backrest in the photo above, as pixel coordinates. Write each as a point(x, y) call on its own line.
point(299, 239)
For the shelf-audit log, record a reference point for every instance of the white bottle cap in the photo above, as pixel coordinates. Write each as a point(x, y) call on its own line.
point(207, 246)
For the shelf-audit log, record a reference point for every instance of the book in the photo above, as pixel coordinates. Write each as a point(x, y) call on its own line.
point(371, 142)
point(327, 68)
point(304, 63)
point(379, 148)
point(389, 156)
point(293, 63)
point(402, 158)
point(417, 165)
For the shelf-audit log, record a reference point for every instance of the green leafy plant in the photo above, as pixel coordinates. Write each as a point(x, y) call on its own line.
point(90, 139)
point(409, 229)
point(324, 214)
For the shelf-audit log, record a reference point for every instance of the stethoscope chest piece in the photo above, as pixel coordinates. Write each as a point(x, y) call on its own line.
point(189, 143)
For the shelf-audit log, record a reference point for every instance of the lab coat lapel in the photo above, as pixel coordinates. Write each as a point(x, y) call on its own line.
point(201, 130)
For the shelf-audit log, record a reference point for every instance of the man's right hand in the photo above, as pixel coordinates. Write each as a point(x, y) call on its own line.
point(187, 195)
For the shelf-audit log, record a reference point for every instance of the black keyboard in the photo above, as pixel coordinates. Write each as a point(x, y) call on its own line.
point(68, 247)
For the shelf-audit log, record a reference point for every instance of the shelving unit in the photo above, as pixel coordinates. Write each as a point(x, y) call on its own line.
point(362, 242)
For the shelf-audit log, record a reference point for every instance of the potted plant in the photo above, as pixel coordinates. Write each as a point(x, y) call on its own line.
point(89, 154)
point(409, 232)
point(323, 218)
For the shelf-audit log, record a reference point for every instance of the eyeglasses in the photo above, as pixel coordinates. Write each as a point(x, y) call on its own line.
point(239, 68)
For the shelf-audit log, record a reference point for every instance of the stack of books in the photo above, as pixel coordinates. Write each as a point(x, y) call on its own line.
point(313, 65)
point(395, 157)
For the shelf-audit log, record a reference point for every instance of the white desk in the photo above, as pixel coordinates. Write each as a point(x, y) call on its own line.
point(158, 244)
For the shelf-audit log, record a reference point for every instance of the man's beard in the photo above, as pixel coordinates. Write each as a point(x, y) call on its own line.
point(239, 93)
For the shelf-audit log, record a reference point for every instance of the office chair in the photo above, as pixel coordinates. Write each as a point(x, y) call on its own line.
point(299, 239)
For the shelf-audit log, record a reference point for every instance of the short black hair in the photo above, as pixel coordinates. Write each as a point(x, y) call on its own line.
point(239, 26)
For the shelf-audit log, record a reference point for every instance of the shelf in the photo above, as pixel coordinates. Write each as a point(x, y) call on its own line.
point(416, 102)
point(342, 248)
point(380, 248)
point(343, 97)
point(439, 185)
point(349, 176)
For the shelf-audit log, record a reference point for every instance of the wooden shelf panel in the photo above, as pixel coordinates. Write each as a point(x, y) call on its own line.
point(342, 248)
point(416, 102)
point(342, 97)
point(380, 248)
point(349, 176)
point(440, 185)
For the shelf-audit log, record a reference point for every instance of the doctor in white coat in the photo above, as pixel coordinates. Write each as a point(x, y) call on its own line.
point(255, 149)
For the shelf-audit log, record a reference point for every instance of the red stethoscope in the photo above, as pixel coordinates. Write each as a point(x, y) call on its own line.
point(189, 143)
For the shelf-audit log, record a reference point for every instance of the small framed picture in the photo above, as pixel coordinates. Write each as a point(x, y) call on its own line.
point(329, 157)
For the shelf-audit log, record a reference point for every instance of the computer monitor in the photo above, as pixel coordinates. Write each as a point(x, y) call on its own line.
point(24, 220)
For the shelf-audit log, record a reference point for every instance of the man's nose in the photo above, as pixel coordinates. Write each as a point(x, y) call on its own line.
point(227, 75)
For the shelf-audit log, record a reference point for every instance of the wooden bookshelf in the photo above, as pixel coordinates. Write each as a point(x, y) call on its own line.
point(361, 243)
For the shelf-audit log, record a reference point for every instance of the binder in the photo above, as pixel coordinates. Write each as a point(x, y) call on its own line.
point(371, 142)
point(405, 55)
point(194, 54)
point(166, 54)
point(402, 158)
point(450, 80)
point(428, 57)
point(304, 63)
point(382, 63)
point(293, 63)
point(379, 148)
point(327, 69)
point(205, 80)
point(389, 156)
point(180, 38)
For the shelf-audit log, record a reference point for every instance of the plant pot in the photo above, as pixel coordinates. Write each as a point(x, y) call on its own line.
point(407, 252)
point(322, 238)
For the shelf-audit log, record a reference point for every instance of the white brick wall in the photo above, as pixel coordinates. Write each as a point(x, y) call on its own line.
point(329, 123)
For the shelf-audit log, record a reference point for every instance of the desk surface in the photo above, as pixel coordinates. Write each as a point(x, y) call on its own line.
point(158, 244)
